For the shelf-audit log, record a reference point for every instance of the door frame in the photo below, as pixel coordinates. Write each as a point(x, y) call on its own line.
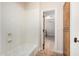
point(63, 29)
point(42, 21)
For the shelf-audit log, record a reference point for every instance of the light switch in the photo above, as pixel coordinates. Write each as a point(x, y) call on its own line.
point(9, 34)
point(9, 37)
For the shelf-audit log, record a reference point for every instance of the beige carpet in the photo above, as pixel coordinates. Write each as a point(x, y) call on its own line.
point(47, 53)
point(49, 45)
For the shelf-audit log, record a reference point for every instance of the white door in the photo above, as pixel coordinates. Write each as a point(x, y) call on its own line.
point(74, 32)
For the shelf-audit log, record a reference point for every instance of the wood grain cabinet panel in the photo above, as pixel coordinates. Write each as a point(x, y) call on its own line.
point(66, 33)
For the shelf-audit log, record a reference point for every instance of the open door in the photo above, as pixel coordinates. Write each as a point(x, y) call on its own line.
point(66, 29)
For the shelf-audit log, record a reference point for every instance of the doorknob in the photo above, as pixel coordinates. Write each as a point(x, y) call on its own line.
point(75, 40)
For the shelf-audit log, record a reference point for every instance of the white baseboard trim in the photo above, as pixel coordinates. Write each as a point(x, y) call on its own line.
point(34, 51)
point(60, 52)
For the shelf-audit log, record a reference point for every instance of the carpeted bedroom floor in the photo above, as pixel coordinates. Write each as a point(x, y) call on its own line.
point(49, 46)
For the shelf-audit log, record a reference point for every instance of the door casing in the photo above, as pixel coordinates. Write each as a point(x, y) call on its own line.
point(66, 30)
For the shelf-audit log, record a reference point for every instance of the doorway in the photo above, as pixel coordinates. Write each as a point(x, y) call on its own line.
point(53, 14)
point(48, 34)
point(48, 30)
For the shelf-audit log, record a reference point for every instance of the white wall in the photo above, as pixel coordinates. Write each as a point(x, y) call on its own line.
point(58, 7)
point(23, 24)
point(59, 29)
point(50, 27)
point(50, 22)
point(0, 28)
point(74, 27)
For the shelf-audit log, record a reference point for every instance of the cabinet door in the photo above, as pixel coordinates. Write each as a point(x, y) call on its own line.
point(67, 43)
point(66, 29)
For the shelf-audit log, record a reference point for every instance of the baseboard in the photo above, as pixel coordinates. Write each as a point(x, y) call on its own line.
point(59, 52)
point(33, 53)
